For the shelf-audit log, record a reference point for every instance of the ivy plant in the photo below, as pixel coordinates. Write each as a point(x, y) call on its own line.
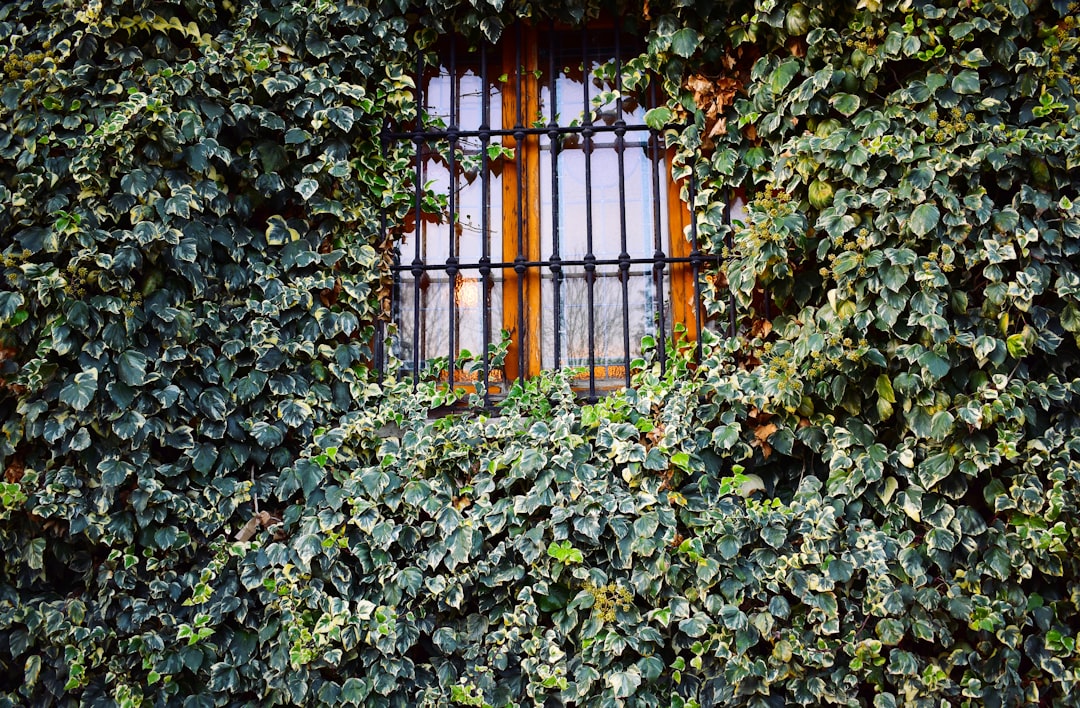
point(864, 494)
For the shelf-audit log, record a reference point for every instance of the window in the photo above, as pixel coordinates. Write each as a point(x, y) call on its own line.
point(544, 209)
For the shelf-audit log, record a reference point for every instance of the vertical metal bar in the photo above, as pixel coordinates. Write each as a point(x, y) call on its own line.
point(695, 260)
point(624, 256)
point(729, 239)
point(380, 331)
point(766, 300)
point(590, 258)
point(418, 262)
point(485, 234)
point(452, 260)
point(555, 143)
point(519, 154)
point(658, 239)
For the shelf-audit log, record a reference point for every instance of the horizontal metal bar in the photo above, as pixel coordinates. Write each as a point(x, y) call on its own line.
point(510, 265)
point(589, 129)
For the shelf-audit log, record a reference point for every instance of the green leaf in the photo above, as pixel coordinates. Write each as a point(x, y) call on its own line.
point(342, 117)
point(297, 136)
point(657, 118)
point(984, 346)
point(31, 670)
point(307, 188)
point(941, 425)
point(278, 233)
point(137, 182)
point(80, 390)
point(625, 683)
point(354, 690)
point(267, 435)
point(212, 403)
point(729, 547)
point(9, 305)
point(307, 547)
point(890, 631)
point(1017, 346)
point(695, 626)
point(685, 42)
point(966, 82)
point(565, 552)
point(774, 535)
point(885, 389)
point(131, 367)
point(935, 468)
point(531, 461)
point(783, 74)
point(845, 103)
point(310, 475)
point(114, 471)
point(941, 539)
point(294, 413)
point(937, 366)
point(923, 219)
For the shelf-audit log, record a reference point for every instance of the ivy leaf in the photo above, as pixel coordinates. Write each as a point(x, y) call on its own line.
point(657, 118)
point(941, 425)
point(278, 233)
point(203, 457)
point(342, 117)
point(297, 136)
point(935, 468)
point(294, 413)
point(492, 27)
point(9, 304)
point(80, 390)
point(81, 439)
point(695, 626)
point(131, 366)
point(307, 188)
point(280, 83)
point(129, 424)
point(845, 103)
point(114, 471)
point(35, 553)
point(885, 389)
point(685, 42)
point(307, 547)
point(625, 683)
point(774, 535)
point(268, 436)
point(729, 547)
point(966, 82)
point(136, 183)
point(783, 74)
point(310, 475)
point(354, 691)
point(924, 218)
point(1017, 345)
point(565, 552)
point(937, 366)
point(940, 539)
point(187, 250)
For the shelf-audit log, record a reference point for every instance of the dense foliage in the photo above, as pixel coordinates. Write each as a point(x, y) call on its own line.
point(868, 497)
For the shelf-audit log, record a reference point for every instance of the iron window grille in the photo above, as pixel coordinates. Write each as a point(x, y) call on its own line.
point(522, 221)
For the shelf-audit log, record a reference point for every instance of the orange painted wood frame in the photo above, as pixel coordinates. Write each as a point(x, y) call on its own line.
point(521, 226)
point(684, 300)
point(521, 208)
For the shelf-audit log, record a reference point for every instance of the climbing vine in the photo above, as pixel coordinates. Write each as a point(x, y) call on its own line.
point(865, 497)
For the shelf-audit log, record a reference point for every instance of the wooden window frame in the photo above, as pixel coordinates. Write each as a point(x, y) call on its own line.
point(521, 217)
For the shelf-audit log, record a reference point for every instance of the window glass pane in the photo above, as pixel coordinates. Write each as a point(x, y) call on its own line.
point(639, 211)
point(441, 307)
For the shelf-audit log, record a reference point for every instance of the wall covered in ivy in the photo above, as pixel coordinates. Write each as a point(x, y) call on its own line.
point(868, 497)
